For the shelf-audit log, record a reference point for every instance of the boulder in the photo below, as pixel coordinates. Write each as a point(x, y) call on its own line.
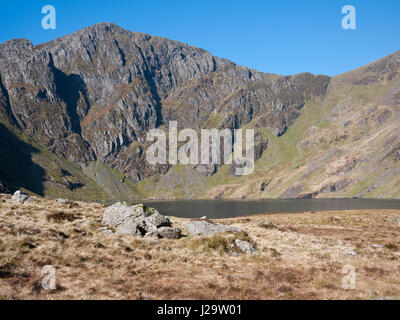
point(245, 246)
point(138, 220)
point(20, 196)
point(157, 219)
point(169, 233)
point(121, 212)
point(129, 228)
point(199, 228)
point(64, 201)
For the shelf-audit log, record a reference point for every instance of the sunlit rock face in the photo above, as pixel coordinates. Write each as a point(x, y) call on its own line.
point(94, 94)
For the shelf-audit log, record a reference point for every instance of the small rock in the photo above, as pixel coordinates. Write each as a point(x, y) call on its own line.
point(198, 228)
point(245, 246)
point(20, 196)
point(129, 228)
point(156, 219)
point(204, 218)
point(64, 201)
point(351, 253)
point(120, 212)
point(169, 233)
point(378, 245)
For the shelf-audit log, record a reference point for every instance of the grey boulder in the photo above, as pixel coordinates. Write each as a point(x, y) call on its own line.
point(20, 196)
point(129, 228)
point(138, 220)
point(169, 233)
point(120, 212)
point(64, 201)
point(245, 246)
point(199, 228)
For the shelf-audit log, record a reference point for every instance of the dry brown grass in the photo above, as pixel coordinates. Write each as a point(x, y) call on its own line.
point(302, 258)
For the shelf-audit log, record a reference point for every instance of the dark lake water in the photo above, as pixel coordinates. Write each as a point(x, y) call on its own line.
point(214, 209)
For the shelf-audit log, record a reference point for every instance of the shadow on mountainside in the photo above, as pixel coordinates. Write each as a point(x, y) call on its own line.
point(17, 170)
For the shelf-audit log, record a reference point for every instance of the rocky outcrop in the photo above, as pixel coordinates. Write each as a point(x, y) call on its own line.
point(64, 201)
point(20, 196)
point(245, 246)
point(139, 220)
point(204, 228)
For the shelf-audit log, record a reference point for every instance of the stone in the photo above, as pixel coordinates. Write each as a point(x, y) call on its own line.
point(351, 253)
point(20, 196)
point(378, 245)
point(121, 212)
point(169, 233)
point(138, 220)
point(199, 228)
point(64, 201)
point(157, 219)
point(128, 228)
point(245, 246)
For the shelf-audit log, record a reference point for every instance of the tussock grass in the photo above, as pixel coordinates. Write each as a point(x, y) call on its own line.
point(301, 259)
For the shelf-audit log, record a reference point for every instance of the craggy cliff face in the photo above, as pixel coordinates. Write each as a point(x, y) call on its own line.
point(91, 97)
point(94, 94)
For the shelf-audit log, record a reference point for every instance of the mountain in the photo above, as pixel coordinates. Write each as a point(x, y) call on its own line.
point(75, 113)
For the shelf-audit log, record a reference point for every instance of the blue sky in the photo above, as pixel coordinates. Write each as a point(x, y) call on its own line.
point(280, 36)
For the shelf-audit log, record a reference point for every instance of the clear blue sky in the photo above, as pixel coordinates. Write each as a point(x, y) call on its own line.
point(278, 36)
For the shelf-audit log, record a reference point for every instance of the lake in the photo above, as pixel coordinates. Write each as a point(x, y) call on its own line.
point(215, 209)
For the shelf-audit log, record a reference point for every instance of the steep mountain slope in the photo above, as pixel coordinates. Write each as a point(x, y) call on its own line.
point(346, 145)
point(89, 98)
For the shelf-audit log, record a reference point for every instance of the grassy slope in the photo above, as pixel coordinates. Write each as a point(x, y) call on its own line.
point(302, 258)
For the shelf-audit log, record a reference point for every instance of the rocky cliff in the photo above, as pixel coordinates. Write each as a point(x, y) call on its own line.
point(90, 98)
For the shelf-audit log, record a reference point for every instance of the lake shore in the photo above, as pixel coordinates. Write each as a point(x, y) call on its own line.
point(299, 256)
